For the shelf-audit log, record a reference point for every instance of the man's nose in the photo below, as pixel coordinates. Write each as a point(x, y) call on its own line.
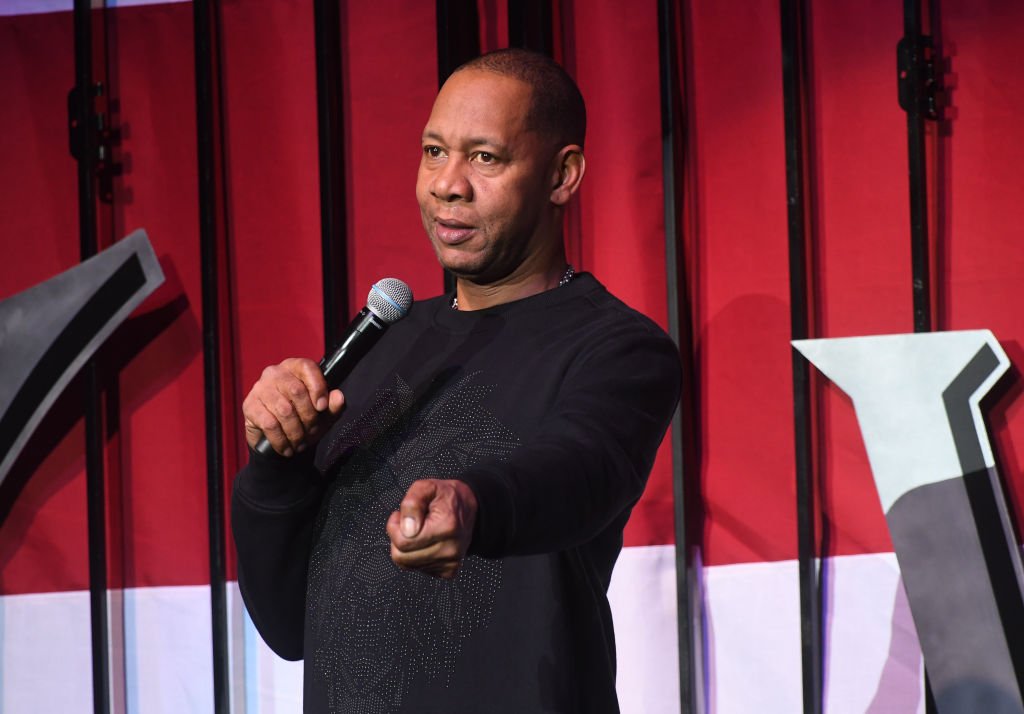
point(451, 182)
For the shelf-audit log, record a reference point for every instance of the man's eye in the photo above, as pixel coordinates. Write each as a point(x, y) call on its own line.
point(433, 152)
point(485, 158)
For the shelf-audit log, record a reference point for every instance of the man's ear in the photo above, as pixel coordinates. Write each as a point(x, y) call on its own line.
point(569, 169)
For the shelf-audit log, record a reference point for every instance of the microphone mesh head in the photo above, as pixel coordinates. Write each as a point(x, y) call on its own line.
point(389, 299)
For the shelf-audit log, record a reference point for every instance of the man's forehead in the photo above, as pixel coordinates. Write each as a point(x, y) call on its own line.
point(483, 96)
point(487, 79)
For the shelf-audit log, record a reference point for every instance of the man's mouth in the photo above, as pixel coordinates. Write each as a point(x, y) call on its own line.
point(452, 231)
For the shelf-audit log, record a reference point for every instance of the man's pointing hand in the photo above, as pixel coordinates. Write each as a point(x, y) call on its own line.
point(432, 529)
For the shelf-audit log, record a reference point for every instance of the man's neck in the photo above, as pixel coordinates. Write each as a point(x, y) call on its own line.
point(518, 285)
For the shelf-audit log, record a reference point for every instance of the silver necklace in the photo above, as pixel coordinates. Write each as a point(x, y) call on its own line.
point(567, 276)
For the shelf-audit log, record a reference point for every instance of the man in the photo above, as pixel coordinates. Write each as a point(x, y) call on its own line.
point(447, 545)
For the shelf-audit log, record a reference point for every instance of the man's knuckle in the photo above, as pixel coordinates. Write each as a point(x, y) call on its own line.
point(446, 530)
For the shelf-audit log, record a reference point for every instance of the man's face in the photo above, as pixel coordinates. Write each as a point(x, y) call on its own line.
point(484, 180)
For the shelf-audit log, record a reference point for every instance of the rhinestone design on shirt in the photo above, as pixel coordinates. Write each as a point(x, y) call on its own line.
point(375, 627)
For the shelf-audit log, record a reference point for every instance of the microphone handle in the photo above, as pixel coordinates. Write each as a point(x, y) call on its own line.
point(357, 340)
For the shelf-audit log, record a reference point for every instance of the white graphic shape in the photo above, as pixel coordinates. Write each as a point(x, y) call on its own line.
point(896, 384)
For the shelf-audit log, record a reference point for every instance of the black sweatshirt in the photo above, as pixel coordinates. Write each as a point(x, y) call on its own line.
point(551, 409)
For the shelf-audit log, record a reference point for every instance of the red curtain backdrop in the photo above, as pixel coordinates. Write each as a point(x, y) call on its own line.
point(734, 237)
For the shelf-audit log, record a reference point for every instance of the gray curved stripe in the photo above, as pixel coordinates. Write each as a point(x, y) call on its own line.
point(49, 331)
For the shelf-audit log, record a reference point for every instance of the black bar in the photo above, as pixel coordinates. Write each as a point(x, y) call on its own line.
point(921, 283)
point(458, 35)
point(208, 134)
point(684, 424)
point(530, 26)
point(84, 113)
point(794, 85)
point(327, 34)
point(914, 44)
point(458, 41)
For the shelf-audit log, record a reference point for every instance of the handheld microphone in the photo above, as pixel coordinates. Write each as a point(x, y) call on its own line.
point(388, 302)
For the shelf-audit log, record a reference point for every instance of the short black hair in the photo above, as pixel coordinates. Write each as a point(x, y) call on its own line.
point(557, 108)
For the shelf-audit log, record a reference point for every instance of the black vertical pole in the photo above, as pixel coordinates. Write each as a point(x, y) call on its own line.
point(690, 632)
point(458, 35)
point(87, 147)
point(794, 85)
point(458, 41)
point(327, 34)
point(918, 84)
point(917, 97)
point(206, 29)
point(530, 26)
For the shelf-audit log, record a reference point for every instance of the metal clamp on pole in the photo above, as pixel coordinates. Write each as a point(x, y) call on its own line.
point(90, 133)
point(917, 78)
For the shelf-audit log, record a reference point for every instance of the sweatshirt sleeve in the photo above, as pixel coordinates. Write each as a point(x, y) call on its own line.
point(273, 508)
point(595, 450)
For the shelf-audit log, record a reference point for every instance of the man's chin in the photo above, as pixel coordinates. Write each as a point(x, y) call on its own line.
point(463, 273)
point(462, 266)
point(481, 268)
